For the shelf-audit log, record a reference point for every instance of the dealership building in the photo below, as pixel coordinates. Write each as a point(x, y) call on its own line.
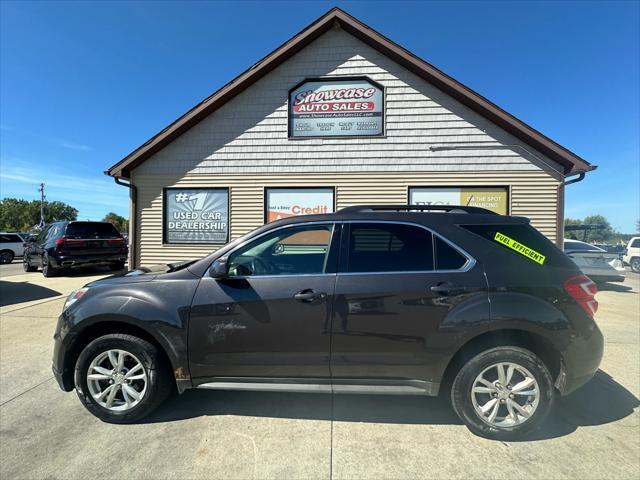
point(338, 115)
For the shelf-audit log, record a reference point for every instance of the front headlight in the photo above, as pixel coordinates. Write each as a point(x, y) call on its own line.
point(75, 296)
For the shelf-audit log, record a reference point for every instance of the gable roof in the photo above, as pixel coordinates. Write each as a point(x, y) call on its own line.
point(571, 162)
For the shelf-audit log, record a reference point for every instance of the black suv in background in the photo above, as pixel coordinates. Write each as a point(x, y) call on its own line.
point(371, 299)
point(63, 245)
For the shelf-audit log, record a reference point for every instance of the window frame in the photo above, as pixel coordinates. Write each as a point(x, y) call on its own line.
point(344, 250)
point(332, 254)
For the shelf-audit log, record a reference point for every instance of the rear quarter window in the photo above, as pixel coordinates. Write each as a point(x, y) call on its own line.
point(524, 242)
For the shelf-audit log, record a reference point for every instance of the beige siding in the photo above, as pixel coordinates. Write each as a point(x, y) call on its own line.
point(533, 194)
point(248, 135)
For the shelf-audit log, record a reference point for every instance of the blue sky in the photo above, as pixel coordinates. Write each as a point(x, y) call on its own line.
point(84, 83)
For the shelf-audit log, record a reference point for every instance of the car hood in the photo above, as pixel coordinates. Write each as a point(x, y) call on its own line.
point(133, 276)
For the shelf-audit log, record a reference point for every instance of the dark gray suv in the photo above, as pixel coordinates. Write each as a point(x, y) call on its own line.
point(371, 299)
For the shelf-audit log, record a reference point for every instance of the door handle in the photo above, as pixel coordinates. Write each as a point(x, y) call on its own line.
point(446, 288)
point(309, 296)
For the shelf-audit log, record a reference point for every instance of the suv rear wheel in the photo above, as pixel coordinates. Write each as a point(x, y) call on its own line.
point(121, 378)
point(503, 393)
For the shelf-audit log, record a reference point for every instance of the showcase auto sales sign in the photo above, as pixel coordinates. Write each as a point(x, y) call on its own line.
point(336, 108)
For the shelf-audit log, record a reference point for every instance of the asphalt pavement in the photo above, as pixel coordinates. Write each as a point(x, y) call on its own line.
point(46, 433)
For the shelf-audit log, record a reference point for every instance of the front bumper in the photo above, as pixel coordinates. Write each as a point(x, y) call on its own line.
point(61, 342)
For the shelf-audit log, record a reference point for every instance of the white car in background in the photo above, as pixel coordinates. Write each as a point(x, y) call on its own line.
point(596, 263)
point(11, 246)
point(632, 254)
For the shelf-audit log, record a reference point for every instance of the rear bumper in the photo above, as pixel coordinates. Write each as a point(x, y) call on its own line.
point(580, 361)
point(63, 261)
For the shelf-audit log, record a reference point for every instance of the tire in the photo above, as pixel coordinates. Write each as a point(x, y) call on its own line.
point(635, 264)
point(158, 384)
point(6, 256)
point(116, 266)
point(503, 427)
point(47, 270)
point(26, 265)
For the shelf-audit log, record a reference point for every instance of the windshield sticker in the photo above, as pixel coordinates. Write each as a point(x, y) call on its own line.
point(521, 249)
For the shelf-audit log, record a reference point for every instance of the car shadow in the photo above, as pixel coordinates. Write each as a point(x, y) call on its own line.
point(18, 292)
point(601, 401)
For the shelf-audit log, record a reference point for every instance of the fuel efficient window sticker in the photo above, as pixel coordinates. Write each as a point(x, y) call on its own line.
point(530, 253)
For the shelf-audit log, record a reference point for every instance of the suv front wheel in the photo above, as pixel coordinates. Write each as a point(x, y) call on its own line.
point(121, 378)
point(503, 393)
point(635, 264)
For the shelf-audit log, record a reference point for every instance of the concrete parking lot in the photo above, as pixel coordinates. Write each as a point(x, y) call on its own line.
point(45, 433)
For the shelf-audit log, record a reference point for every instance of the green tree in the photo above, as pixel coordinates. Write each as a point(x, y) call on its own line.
point(602, 235)
point(606, 233)
point(121, 223)
point(18, 215)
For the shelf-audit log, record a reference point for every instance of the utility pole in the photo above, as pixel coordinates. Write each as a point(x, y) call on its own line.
point(42, 197)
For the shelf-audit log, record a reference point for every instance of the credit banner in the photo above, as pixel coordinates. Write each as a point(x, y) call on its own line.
point(291, 202)
point(336, 108)
point(491, 198)
point(196, 215)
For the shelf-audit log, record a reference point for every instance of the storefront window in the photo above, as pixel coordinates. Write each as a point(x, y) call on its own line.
point(196, 215)
point(495, 199)
point(291, 202)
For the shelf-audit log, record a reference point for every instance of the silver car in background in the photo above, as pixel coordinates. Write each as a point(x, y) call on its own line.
point(596, 263)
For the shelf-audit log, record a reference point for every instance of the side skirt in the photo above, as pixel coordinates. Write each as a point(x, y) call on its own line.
point(315, 385)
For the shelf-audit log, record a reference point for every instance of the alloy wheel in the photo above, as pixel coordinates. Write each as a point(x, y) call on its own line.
point(6, 257)
point(505, 395)
point(117, 380)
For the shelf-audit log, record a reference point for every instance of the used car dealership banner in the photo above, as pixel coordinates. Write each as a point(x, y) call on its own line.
point(291, 202)
point(196, 215)
point(336, 108)
point(491, 198)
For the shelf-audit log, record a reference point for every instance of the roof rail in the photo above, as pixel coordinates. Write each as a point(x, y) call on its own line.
point(422, 208)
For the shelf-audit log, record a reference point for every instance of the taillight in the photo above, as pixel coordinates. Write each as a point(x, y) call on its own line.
point(118, 241)
point(66, 242)
point(583, 290)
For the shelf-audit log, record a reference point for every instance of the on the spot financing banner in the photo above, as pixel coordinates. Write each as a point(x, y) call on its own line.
point(491, 198)
point(291, 202)
point(336, 108)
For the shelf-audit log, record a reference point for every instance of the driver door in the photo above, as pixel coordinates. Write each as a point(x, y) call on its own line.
point(271, 316)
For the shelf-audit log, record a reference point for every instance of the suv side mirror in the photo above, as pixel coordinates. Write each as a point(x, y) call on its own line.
point(219, 268)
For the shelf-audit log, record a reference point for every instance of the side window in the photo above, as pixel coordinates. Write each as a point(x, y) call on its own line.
point(389, 247)
point(43, 234)
point(635, 243)
point(447, 257)
point(287, 251)
point(54, 232)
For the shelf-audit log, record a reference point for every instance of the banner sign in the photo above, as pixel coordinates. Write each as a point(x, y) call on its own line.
point(291, 202)
point(491, 198)
point(336, 108)
point(196, 215)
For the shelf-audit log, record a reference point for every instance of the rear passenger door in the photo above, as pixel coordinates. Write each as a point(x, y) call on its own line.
point(396, 285)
